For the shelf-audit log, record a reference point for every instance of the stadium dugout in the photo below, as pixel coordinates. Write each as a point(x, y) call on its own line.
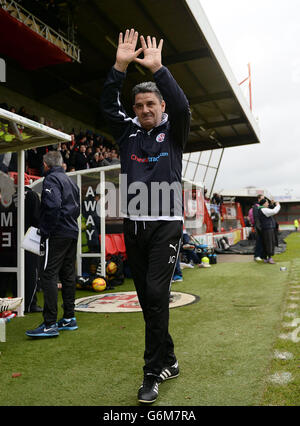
point(221, 116)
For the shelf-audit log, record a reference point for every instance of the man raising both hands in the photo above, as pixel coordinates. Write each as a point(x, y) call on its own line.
point(151, 147)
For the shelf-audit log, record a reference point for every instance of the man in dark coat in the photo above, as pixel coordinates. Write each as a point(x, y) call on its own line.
point(60, 208)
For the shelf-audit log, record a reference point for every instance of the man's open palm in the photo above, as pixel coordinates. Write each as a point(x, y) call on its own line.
point(126, 52)
point(152, 54)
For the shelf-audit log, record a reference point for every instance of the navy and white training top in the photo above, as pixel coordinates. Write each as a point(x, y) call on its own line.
point(151, 161)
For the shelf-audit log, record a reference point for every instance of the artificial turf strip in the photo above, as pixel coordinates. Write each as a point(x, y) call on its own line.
point(287, 364)
point(224, 344)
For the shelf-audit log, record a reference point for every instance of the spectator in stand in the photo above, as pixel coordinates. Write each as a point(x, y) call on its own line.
point(81, 159)
point(82, 139)
point(106, 157)
point(89, 153)
point(268, 228)
point(73, 151)
point(98, 140)
point(114, 157)
point(35, 161)
point(73, 155)
point(22, 112)
point(103, 161)
point(217, 199)
point(65, 153)
point(90, 145)
point(95, 161)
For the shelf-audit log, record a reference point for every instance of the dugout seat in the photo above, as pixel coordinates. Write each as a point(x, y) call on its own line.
point(33, 172)
point(120, 244)
point(110, 246)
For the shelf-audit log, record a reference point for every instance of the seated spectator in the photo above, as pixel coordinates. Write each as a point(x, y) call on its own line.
point(189, 251)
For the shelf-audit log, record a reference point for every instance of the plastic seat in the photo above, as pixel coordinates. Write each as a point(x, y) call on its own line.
point(120, 244)
point(110, 246)
point(33, 172)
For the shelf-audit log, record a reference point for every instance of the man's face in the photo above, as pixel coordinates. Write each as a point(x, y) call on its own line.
point(46, 168)
point(148, 109)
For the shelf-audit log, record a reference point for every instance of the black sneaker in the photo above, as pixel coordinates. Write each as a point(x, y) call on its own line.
point(169, 372)
point(148, 392)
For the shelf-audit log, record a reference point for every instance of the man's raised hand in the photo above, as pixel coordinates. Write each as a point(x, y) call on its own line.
point(126, 52)
point(152, 54)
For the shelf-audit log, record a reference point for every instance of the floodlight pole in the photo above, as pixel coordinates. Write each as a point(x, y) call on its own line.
point(20, 234)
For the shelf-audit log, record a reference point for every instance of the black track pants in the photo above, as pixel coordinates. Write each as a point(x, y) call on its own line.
point(31, 271)
point(58, 263)
point(152, 248)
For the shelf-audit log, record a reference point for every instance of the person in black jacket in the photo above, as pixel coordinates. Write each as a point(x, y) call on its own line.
point(151, 147)
point(60, 208)
point(268, 228)
point(81, 159)
point(32, 213)
point(258, 249)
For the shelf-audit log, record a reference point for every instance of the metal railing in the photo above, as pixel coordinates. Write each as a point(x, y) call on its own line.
point(36, 25)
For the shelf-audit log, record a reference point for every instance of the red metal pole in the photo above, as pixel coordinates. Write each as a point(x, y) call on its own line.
point(250, 88)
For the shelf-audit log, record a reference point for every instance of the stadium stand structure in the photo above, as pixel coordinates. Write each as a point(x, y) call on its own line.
point(221, 115)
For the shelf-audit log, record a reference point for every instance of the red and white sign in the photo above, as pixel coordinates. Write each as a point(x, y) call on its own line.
point(125, 302)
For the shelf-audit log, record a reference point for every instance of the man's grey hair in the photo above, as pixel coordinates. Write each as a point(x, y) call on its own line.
point(53, 158)
point(146, 87)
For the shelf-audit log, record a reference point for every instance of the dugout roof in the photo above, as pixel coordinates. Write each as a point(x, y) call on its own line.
point(221, 116)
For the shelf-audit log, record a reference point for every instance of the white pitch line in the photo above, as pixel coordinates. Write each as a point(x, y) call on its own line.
point(282, 378)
